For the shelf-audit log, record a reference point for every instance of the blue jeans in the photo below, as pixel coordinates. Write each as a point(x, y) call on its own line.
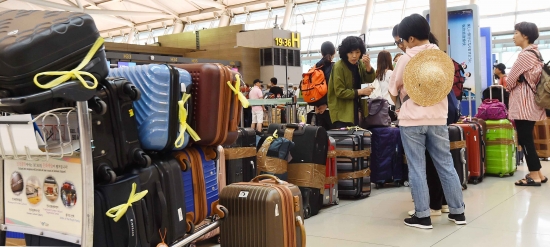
point(436, 139)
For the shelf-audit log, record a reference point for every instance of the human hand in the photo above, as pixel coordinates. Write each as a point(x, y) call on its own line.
point(365, 91)
point(320, 109)
point(366, 61)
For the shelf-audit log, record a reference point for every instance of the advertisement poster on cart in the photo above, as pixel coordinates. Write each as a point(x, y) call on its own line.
point(44, 194)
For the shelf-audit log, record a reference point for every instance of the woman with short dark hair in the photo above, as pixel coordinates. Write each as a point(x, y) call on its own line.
point(344, 88)
point(522, 83)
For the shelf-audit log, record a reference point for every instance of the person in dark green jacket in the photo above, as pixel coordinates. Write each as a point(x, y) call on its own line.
point(344, 87)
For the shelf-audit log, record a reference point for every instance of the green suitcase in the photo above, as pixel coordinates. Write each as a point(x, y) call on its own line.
point(501, 148)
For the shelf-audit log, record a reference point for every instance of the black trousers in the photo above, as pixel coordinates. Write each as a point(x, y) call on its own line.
point(527, 143)
point(437, 197)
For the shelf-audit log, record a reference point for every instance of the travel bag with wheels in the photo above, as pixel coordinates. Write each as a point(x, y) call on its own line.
point(330, 195)
point(200, 181)
point(163, 204)
point(353, 148)
point(114, 130)
point(501, 150)
point(541, 134)
point(33, 42)
point(459, 152)
point(216, 105)
point(266, 212)
point(307, 169)
point(386, 160)
point(240, 157)
point(163, 87)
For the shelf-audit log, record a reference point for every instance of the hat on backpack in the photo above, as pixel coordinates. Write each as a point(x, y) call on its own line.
point(429, 77)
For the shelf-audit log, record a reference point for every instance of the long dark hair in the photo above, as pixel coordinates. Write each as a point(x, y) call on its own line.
point(433, 39)
point(384, 62)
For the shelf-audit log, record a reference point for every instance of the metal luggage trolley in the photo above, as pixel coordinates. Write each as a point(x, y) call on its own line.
point(14, 152)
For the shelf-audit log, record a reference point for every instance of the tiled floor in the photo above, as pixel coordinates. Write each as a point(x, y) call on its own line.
point(498, 214)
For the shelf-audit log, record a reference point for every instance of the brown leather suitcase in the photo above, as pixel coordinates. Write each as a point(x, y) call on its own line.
point(541, 134)
point(265, 213)
point(215, 110)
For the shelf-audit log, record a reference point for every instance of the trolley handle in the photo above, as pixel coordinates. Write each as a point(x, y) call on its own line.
point(501, 92)
point(71, 91)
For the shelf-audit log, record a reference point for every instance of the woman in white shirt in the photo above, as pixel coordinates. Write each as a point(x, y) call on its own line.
point(383, 74)
point(384, 71)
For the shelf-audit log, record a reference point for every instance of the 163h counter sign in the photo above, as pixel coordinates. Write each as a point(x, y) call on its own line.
point(43, 195)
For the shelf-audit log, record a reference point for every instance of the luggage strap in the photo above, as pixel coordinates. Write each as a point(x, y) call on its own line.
point(182, 115)
point(500, 141)
point(307, 175)
point(458, 145)
point(73, 74)
point(270, 164)
point(239, 153)
point(354, 175)
point(237, 92)
point(119, 211)
point(331, 180)
point(349, 153)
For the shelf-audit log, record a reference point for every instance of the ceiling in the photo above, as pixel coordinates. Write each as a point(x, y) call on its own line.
point(122, 15)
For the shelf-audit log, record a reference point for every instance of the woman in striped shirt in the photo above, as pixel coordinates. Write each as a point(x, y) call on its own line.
point(521, 81)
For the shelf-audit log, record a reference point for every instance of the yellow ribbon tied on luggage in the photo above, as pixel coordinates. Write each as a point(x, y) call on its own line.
point(274, 136)
point(182, 115)
point(237, 91)
point(73, 74)
point(119, 211)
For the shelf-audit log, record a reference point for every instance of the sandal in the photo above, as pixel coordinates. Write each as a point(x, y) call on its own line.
point(530, 182)
point(542, 181)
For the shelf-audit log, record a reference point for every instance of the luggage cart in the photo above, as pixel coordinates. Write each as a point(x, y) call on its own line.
point(71, 91)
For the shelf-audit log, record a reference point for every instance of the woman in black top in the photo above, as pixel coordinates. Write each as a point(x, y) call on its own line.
point(322, 118)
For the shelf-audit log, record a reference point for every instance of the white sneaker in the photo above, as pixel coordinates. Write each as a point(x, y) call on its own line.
point(432, 212)
point(445, 209)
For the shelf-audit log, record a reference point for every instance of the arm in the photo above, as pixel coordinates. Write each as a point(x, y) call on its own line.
point(520, 66)
point(396, 78)
point(369, 75)
point(337, 80)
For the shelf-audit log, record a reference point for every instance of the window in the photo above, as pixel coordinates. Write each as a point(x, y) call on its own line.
point(255, 25)
point(332, 4)
point(259, 15)
point(492, 7)
point(355, 2)
point(306, 8)
point(353, 23)
point(326, 27)
point(540, 19)
point(189, 28)
point(498, 24)
point(356, 10)
point(386, 19)
point(305, 44)
point(388, 6)
point(239, 19)
point(317, 42)
point(379, 37)
point(533, 5)
point(332, 14)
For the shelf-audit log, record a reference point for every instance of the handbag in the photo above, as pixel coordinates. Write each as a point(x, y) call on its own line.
point(378, 114)
point(492, 109)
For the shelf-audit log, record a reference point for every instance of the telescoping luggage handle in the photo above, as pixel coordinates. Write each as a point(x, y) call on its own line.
point(469, 89)
point(501, 92)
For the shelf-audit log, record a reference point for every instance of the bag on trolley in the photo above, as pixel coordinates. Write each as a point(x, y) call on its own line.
point(217, 103)
point(240, 157)
point(114, 129)
point(200, 181)
point(33, 42)
point(157, 112)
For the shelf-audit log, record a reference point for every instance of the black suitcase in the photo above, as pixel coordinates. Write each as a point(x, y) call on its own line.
point(353, 173)
point(33, 240)
point(241, 169)
point(32, 42)
point(460, 153)
point(311, 147)
point(114, 130)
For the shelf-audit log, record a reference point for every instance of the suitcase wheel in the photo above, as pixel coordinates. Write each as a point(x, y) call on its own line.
point(511, 174)
point(307, 212)
point(185, 166)
point(337, 201)
point(106, 174)
point(501, 175)
point(99, 106)
point(132, 91)
point(141, 158)
point(191, 227)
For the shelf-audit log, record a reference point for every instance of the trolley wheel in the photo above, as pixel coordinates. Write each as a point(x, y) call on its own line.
point(187, 165)
point(397, 183)
point(465, 187)
point(475, 181)
point(132, 91)
point(141, 158)
point(217, 154)
point(511, 174)
point(501, 175)
point(337, 201)
point(101, 107)
point(219, 240)
point(406, 184)
point(307, 212)
point(191, 227)
point(225, 212)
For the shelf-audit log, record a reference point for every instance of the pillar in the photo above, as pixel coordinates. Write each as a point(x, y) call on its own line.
point(369, 10)
point(131, 36)
point(178, 26)
point(224, 19)
point(289, 5)
point(438, 22)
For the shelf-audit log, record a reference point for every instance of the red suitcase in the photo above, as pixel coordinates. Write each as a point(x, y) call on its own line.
point(330, 196)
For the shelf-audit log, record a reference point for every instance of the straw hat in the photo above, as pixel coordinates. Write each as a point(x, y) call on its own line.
point(429, 77)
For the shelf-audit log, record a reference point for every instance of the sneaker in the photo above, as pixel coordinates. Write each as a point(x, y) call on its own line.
point(445, 209)
point(422, 223)
point(432, 212)
point(458, 219)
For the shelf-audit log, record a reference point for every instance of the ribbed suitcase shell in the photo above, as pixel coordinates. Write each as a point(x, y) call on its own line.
point(157, 110)
point(37, 41)
point(501, 158)
point(212, 103)
point(187, 177)
point(255, 219)
point(210, 178)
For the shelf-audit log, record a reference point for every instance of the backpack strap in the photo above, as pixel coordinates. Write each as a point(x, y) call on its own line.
point(540, 59)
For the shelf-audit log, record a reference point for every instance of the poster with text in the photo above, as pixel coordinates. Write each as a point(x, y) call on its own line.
point(44, 194)
point(461, 43)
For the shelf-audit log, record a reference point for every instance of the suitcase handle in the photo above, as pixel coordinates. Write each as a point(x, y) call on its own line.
point(266, 176)
point(72, 91)
point(300, 223)
point(501, 92)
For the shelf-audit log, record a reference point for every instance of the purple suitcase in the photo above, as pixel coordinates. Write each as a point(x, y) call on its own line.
point(387, 164)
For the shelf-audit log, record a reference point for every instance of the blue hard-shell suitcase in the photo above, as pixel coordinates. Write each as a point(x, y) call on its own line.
point(157, 111)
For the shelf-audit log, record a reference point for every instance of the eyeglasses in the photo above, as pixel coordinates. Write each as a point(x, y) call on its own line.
point(399, 42)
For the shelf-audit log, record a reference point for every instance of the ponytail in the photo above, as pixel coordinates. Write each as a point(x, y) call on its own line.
point(433, 39)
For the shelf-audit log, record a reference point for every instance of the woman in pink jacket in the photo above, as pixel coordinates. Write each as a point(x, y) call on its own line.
point(521, 83)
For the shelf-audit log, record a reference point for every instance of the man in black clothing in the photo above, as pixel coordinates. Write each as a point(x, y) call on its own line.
point(275, 90)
